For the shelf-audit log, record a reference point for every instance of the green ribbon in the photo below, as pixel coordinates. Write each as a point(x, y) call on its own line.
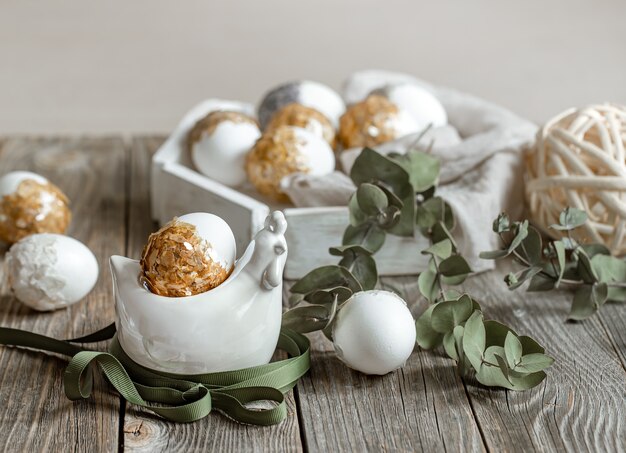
point(180, 398)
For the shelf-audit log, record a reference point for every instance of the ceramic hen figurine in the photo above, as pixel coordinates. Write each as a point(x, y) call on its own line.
point(235, 325)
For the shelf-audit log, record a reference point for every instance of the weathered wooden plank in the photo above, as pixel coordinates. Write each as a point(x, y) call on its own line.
point(144, 432)
point(35, 415)
point(613, 318)
point(422, 407)
point(581, 406)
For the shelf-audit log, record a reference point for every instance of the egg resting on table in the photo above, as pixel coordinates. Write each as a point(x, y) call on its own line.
point(304, 92)
point(284, 151)
point(190, 255)
point(373, 121)
point(374, 332)
point(30, 204)
point(219, 142)
point(50, 271)
point(305, 117)
point(420, 103)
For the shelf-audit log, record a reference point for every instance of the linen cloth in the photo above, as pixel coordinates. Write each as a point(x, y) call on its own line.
point(480, 154)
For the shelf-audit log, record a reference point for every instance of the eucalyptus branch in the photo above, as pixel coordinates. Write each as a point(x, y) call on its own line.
point(588, 269)
point(396, 194)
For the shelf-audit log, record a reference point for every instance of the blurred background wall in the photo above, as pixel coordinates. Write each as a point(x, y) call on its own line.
point(76, 66)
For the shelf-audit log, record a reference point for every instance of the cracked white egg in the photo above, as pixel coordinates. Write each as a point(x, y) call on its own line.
point(219, 143)
point(374, 332)
point(50, 271)
point(420, 103)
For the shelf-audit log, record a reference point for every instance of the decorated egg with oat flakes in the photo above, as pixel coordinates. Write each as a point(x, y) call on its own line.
point(420, 103)
point(305, 117)
point(30, 204)
point(284, 151)
point(191, 254)
point(219, 142)
point(373, 121)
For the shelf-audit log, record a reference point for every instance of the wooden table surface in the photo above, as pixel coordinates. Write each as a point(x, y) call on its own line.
point(423, 407)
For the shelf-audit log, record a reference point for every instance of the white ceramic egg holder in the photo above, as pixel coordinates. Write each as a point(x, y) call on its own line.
point(235, 325)
point(177, 189)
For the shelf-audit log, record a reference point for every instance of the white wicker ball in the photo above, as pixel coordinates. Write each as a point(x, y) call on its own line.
point(579, 160)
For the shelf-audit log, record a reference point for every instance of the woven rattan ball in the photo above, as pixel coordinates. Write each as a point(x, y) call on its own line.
point(579, 160)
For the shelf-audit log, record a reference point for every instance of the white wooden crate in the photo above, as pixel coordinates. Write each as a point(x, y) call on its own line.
point(177, 189)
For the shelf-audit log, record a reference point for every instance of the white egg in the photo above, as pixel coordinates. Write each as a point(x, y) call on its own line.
point(305, 92)
point(50, 271)
point(374, 332)
point(220, 155)
point(420, 103)
point(217, 233)
point(11, 181)
point(315, 151)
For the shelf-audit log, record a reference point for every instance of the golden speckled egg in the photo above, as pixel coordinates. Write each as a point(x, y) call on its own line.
point(218, 145)
point(373, 121)
point(305, 117)
point(190, 255)
point(30, 204)
point(284, 151)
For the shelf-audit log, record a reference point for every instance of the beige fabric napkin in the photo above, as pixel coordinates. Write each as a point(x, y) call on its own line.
point(481, 171)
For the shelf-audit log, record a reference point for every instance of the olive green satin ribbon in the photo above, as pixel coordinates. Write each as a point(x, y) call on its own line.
point(188, 397)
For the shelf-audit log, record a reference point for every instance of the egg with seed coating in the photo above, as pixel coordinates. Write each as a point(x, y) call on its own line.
point(219, 142)
point(191, 254)
point(284, 151)
point(30, 204)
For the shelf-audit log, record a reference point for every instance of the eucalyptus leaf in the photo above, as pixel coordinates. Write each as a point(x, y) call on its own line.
point(326, 277)
point(587, 300)
point(454, 266)
point(502, 223)
point(514, 281)
point(584, 268)
point(451, 313)
point(504, 368)
point(512, 350)
point(559, 249)
point(423, 169)
point(531, 247)
point(428, 285)
point(346, 250)
point(306, 319)
point(496, 333)
point(357, 216)
point(449, 345)
point(426, 336)
point(610, 269)
point(570, 218)
point(431, 211)
point(540, 282)
point(372, 167)
point(440, 232)
point(328, 296)
point(493, 254)
point(372, 200)
point(441, 249)
point(368, 235)
point(531, 363)
point(474, 339)
point(530, 346)
point(521, 232)
point(363, 267)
